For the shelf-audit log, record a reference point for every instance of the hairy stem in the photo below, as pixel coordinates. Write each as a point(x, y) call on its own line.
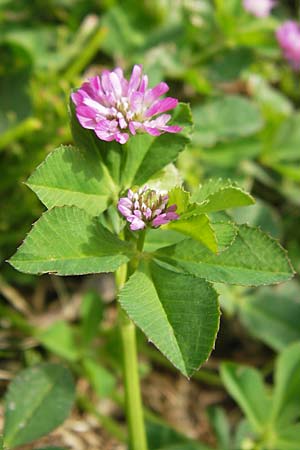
point(133, 398)
point(134, 408)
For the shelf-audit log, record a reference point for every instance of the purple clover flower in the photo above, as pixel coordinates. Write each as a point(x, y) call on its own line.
point(259, 8)
point(115, 108)
point(146, 207)
point(288, 37)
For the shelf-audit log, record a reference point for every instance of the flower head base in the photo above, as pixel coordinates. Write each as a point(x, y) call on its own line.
point(259, 8)
point(146, 207)
point(288, 36)
point(115, 108)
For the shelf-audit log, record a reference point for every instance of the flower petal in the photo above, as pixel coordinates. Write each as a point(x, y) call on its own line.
point(154, 93)
point(144, 84)
point(135, 79)
point(137, 224)
point(161, 106)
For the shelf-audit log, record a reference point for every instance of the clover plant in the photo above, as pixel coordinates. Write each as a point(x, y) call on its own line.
point(115, 203)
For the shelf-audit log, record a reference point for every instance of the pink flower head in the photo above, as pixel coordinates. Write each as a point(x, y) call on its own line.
point(288, 37)
point(259, 8)
point(146, 207)
point(115, 108)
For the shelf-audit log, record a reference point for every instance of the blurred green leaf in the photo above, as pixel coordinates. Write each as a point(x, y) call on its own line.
point(226, 118)
point(122, 34)
point(100, 378)
point(221, 426)
point(162, 437)
point(260, 215)
point(247, 388)
point(287, 385)
point(289, 437)
point(272, 314)
point(271, 100)
point(37, 401)
point(51, 448)
point(285, 145)
point(91, 312)
point(229, 64)
point(59, 338)
point(16, 104)
point(231, 154)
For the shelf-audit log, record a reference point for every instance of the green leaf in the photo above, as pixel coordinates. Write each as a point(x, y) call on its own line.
point(226, 118)
point(219, 195)
point(273, 103)
point(253, 259)
point(272, 315)
point(230, 64)
point(16, 104)
point(37, 401)
point(100, 378)
point(197, 227)
point(163, 437)
point(59, 338)
point(157, 238)
point(110, 153)
point(288, 437)
point(180, 198)
point(165, 179)
point(243, 435)
point(67, 241)
point(285, 145)
point(179, 313)
point(225, 232)
point(136, 148)
point(51, 448)
point(162, 151)
point(287, 386)
point(246, 386)
point(182, 116)
point(165, 148)
point(221, 426)
point(91, 310)
point(232, 154)
point(145, 155)
point(70, 177)
point(260, 215)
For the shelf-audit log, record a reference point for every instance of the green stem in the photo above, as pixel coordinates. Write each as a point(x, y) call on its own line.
point(141, 240)
point(133, 397)
point(134, 408)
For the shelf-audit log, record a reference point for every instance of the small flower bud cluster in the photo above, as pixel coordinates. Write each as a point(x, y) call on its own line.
point(146, 207)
